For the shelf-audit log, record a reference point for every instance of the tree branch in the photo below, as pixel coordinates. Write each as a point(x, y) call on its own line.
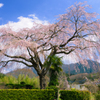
point(20, 57)
point(6, 62)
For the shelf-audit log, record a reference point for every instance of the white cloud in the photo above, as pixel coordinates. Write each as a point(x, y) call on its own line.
point(37, 20)
point(1, 5)
point(25, 22)
point(68, 59)
point(92, 38)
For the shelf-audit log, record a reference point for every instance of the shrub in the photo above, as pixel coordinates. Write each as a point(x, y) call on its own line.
point(2, 75)
point(97, 96)
point(23, 94)
point(20, 86)
point(99, 87)
point(22, 82)
point(74, 95)
point(12, 80)
point(55, 89)
point(92, 88)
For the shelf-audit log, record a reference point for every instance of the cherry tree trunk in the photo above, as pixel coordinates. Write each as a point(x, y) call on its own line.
point(42, 81)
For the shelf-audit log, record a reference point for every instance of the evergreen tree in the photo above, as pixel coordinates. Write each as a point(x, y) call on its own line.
point(54, 70)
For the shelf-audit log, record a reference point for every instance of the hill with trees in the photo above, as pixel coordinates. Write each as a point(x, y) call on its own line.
point(24, 71)
point(91, 67)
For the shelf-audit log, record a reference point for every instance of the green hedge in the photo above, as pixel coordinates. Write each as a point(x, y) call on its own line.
point(20, 86)
point(55, 89)
point(74, 95)
point(26, 94)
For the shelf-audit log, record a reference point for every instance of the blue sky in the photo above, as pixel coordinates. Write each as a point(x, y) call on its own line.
point(21, 13)
point(11, 10)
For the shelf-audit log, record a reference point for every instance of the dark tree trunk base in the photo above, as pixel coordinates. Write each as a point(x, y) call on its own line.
point(42, 82)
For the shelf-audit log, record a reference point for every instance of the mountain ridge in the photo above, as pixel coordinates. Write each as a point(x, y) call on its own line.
point(74, 68)
point(77, 68)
